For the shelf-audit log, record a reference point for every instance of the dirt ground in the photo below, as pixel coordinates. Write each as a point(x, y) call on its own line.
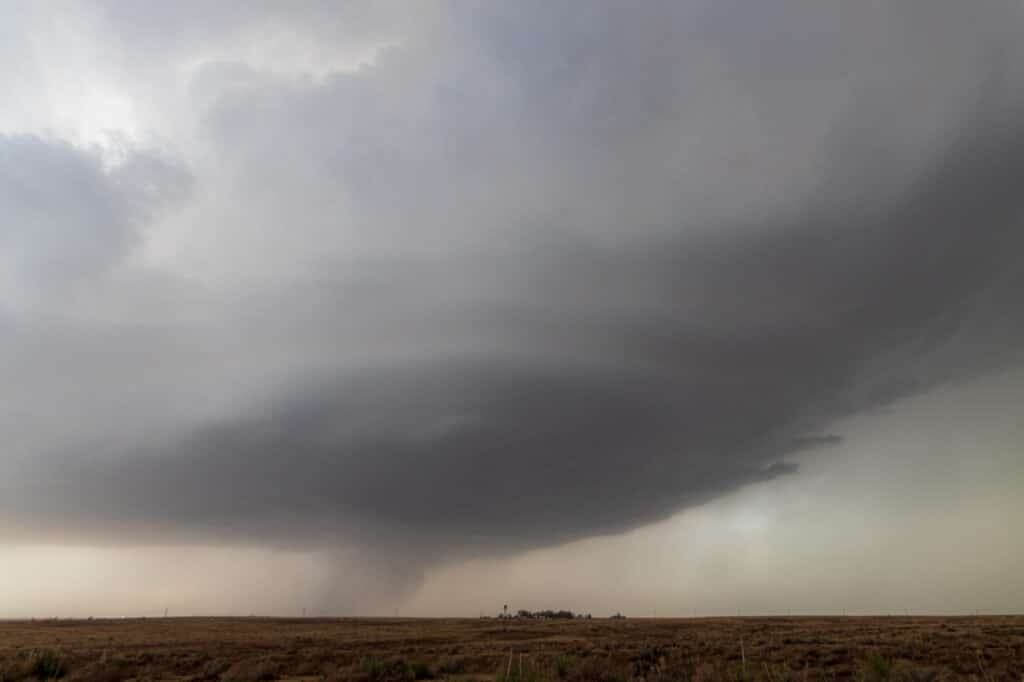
point(872, 649)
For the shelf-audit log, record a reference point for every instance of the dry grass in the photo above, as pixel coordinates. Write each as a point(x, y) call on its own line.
point(402, 650)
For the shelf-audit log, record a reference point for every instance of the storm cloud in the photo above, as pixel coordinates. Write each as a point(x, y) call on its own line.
point(527, 273)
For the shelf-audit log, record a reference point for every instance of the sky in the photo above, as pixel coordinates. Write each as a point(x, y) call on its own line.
point(671, 308)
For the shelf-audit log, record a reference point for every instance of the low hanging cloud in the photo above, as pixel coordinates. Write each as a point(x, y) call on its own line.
point(539, 273)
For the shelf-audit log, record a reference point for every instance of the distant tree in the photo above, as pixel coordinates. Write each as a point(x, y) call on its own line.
point(547, 614)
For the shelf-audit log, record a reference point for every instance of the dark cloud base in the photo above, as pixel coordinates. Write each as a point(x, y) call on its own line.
point(479, 453)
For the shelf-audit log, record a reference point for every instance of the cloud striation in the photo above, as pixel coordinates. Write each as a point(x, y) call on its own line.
point(541, 271)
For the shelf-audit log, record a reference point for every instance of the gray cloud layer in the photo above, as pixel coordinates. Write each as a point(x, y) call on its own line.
point(67, 220)
point(541, 272)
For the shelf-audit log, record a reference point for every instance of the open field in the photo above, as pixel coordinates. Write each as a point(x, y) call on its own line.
point(874, 649)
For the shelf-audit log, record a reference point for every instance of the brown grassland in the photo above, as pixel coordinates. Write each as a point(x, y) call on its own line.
point(798, 649)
